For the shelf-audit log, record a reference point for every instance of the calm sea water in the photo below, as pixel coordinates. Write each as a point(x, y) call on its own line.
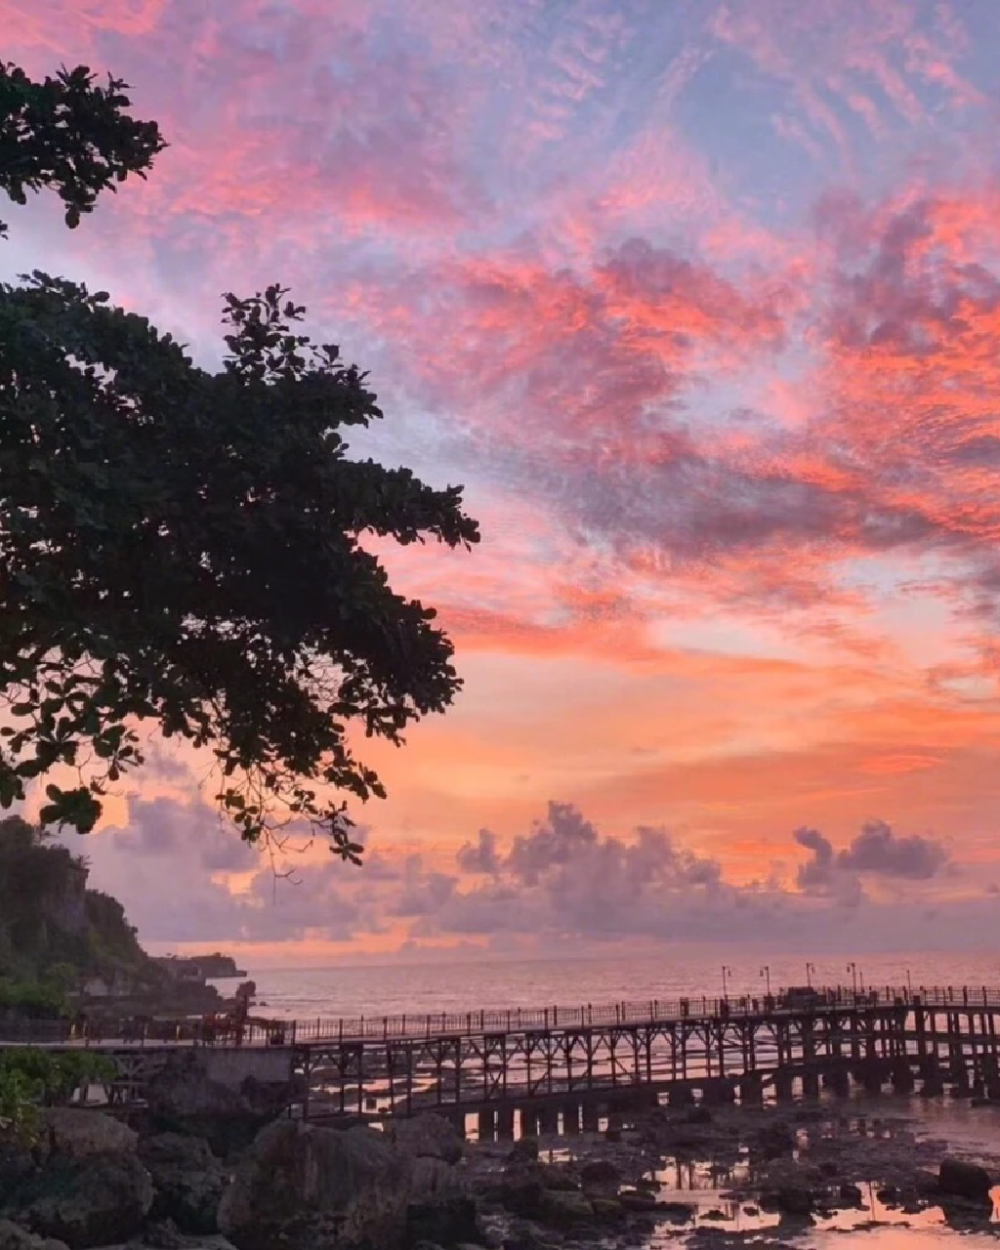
point(392, 989)
point(389, 989)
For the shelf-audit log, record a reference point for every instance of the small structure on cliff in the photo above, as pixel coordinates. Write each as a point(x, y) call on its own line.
point(200, 968)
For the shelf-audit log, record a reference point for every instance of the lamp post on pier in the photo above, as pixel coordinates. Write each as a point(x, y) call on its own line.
point(810, 969)
point(765, 972)
point(852, 968)
point(726, 972)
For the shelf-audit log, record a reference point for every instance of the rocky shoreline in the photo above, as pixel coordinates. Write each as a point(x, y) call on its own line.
point(187, 1172)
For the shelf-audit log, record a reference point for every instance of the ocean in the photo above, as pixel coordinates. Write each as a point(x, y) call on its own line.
point(374, 989)
point(398, 988)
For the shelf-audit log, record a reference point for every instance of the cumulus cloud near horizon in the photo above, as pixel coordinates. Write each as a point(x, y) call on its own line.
point(876, 852)
point(563, 882)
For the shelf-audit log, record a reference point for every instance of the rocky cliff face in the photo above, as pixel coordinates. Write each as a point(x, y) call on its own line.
point(65, 906)
point(54, 930)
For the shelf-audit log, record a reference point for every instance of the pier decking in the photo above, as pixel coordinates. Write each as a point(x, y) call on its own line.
point(558, 1060)
point(719, 1050)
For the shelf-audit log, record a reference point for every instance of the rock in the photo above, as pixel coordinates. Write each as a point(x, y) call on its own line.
point(183, 1091)
point(441, 1208)
point(188, 1181)
point(613, 1134)
point(74, 1133)
point(564, 1209)
point(307, 1187)
point(164, 1235)
point(17, 1161)
point(182, 1097)
point(556, 1176)
point(524, 1184)
point(888, 1194)
point(492, 1234)
point(13, 1237)
point(632, 1201)
point(697, 1115)
point(433, 1178)
point(793, 1200)
point(98, 1201)
point(521, 1194)
point(524, 1150)
point(430, 1136)
point(967, 1180)
point(600, 1176)
point(852, 1194)
point(443, 1215)
point(676, 1212)
point(751, 1210)
point(607, 1210)
point(775, 1140)
point(523, 1235)
point(966, 1213)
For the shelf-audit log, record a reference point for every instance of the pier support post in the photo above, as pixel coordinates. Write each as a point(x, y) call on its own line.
point(871, 1076)
point(591, 1116)
point(902, 1078)
point(487, 1124)
point(548, 1120)
point(960, 1085)
point(838, 1080)
point(529, 1122)
point(752, 1090)
point(571, 1117)
point(718, 1092)
point(505, 1123)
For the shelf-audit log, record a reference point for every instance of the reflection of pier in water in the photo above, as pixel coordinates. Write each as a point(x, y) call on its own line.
point(569, 1070)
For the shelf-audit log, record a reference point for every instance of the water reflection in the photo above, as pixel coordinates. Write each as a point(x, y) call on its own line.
point(708, 1194)
point(887, 1224)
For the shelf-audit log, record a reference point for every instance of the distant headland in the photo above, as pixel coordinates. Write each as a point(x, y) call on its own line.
point(214, 967)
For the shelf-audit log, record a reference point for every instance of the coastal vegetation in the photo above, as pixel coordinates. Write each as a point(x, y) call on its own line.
point(31, 1079)
point(57, 934)
point(190, 548)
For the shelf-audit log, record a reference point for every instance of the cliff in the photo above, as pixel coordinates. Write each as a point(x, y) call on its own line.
point(58, 937)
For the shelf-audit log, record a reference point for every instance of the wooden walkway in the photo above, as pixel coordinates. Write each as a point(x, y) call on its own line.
point(723, 1050)
point(569, 1061)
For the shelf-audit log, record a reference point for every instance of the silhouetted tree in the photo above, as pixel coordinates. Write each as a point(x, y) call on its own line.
point(185, 546)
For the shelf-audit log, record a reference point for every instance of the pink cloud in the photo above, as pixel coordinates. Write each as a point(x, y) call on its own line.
point(730, 429)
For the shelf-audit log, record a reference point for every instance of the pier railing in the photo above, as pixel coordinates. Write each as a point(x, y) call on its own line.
point(439, 1024)
point(142, 1031)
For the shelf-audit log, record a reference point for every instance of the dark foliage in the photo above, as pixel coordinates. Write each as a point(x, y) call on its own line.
point(188, 547)
point(70, 135)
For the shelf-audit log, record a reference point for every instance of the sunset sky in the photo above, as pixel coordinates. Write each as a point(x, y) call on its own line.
point(700, 300)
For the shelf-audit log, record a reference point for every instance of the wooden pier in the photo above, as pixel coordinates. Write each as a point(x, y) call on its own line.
point(567, 1064)
point(745, 1050)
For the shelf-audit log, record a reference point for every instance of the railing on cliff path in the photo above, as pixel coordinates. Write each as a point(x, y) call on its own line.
point(106, 1031)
